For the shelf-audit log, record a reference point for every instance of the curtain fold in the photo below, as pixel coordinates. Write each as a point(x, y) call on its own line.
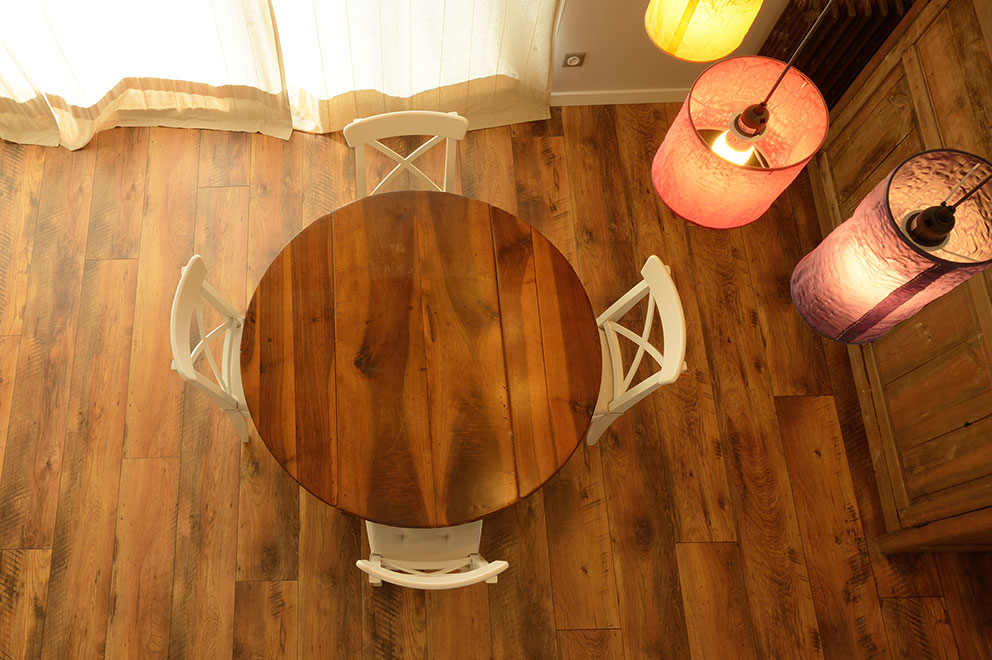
point(68, 70)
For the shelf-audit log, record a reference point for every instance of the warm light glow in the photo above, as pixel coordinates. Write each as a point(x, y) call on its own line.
point(723, 149)
point(699, 30)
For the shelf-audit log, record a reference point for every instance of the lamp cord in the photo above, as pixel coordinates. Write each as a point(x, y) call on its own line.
point(971, 192)
point(796, 52)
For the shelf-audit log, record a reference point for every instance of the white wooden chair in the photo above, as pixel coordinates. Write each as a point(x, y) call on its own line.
point(432, 558)
point(617, 390)
point(187, 308)
point(449, 127)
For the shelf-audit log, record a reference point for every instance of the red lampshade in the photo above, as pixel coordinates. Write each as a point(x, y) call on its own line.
point(868, 274)
point(701, 186)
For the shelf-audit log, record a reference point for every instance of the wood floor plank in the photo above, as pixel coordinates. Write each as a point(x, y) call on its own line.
point(21, 170)
point(8, 371)
point(686, 409)
point(276, 213)
point(118, 193)
point(582, 565)
point(29, 482)
point(395, 620)
point(521, 608)
point(642, 529)
point(775, 572)
point(544, 199)
point(458, 624)
point(82, 556)
point(844, 594)
point(715, 601)
point(225, 158)
point(154, 414)
point(265, 613)
point(328, 175)
point(144, 556)
point(967, 582)
point(23, 598)
point(330, 621)
point(487, 173)
point(550, 127)
point(920, 629)
point(773, 250)
point(590, 645)
point(607, 262)
point(202, 622)
point(906, 574)
point(206, 533)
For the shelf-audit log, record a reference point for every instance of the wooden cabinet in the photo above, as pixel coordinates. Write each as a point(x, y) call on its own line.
point(925, 387)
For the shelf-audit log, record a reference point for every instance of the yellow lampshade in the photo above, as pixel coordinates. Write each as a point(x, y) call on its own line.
point(699, 30)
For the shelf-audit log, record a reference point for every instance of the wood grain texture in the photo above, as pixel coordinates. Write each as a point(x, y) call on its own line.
point(715, 598)
point(328, 175)
point(640, 507)
point(590, 645)
point(144, 557)
point(8, 372)
point(585, 589)
point(24, 591)
point(21, 170)
point(844, 593)
point(381, 357)
point(225, 158)
point(772, 247)
point(206, 533)
point(521, 608)
point(967, 581)
point(395, 620)
point(276, 212)
point(487, 167)
point(949, 460)
point(329, 584)
point(33, 456)
point(543, 195)
point(895, 575)
point(266, 616)
point(417, 271)
point(686, 408)
point(607, 264)
point(118, 194)
point(774, 565)
point(154, 415)
point(458, 624)
point(919, 628)
point(466, 371)
point(550, 127)
point(83, 550)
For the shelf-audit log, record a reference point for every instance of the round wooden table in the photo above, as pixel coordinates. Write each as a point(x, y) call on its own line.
point(420, 359)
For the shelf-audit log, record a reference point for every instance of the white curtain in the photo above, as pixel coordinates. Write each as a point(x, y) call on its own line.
point(69, 68)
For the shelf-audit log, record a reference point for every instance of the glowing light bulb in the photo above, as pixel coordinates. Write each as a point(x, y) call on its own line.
point(723, 149)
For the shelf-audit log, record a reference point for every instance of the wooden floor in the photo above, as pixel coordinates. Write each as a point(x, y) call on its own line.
point(727, 516)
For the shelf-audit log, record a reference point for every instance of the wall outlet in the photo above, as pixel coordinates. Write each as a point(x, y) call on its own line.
point(574, 60)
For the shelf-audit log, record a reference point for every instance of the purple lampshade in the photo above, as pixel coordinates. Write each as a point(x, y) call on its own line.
point(868, 274)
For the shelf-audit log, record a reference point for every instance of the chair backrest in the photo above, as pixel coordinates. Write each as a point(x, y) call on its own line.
point(187, 308)
point(432, 558)
point(449, 127)
point(665, 305)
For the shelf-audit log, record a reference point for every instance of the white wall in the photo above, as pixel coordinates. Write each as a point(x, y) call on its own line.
point(622, 64)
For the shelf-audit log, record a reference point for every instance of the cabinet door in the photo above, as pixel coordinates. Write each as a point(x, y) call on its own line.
point(928, 383)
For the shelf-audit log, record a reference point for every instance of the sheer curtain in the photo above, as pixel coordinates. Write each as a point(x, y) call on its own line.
point(69, 69)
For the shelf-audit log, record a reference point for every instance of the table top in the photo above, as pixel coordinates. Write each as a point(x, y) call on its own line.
point(420, 359)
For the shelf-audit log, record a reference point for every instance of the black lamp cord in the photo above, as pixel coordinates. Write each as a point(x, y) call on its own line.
point(795, 54)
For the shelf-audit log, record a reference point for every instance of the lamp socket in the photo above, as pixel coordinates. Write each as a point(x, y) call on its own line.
point(573, 60)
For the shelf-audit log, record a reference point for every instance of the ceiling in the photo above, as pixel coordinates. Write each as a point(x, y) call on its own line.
point(622, 65)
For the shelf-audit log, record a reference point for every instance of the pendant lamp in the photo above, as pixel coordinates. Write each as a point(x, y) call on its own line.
point(729, 154)
point(924, 229)
point(699, 30)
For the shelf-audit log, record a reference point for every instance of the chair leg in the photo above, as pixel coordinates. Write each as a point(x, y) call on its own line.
point(240, 423)
point(598, 427)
